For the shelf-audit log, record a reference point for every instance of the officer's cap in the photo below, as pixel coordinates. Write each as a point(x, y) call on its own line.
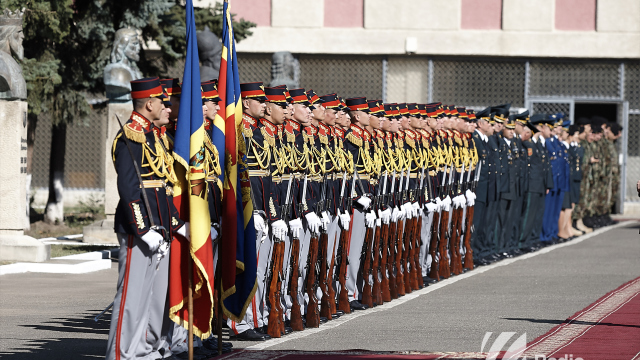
point(331, 101)
point(299, 97)
point(147, 88)
point(253, 90)
point(357, 104)
point(276, 95)
point(210, 91)
point(171, 86)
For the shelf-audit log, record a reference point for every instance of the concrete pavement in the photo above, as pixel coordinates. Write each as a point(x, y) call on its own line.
point(50, 316)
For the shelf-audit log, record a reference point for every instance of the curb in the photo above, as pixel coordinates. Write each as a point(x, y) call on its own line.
point(93, 261)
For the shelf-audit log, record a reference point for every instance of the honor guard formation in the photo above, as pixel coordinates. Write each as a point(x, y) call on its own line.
point(357, 202)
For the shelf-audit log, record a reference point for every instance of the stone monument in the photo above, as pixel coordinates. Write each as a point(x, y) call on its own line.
point(117, 75)
point(14, 245)
point(209, 52)
point(285, 70)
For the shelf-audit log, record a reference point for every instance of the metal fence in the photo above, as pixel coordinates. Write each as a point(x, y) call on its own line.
point(540, 85)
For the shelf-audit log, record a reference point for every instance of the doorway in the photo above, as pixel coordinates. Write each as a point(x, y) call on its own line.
point(608, 111)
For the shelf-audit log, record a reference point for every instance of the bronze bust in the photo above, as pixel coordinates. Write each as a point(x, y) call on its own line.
point(123, 68)
point(12, 84)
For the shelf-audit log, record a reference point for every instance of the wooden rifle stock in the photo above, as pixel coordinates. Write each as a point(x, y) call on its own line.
point(406, 256)
point(412, 254)
point(366, 268)
point(398, 260)
point(454, 240)
point(343, 297)
point(330, 281)
point(393, 285)
point(384, 282)
point(468, 255)
point(377, 291)
point(434, 272)
point(325, 282)
point(296, 314)
point(417, 246)
point(275, 317)
point(459, 239)
point(313, 317)
point(444, 256)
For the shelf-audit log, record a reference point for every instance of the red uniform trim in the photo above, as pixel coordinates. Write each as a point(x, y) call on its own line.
point(123, 298)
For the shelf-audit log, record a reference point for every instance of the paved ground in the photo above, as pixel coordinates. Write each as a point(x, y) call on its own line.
point(51, 316)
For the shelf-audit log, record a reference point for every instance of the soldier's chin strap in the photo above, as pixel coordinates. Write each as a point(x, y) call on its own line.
point(159, 229)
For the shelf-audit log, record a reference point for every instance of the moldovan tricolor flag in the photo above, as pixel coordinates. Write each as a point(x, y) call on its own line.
point(238, 247)
point(191, 200)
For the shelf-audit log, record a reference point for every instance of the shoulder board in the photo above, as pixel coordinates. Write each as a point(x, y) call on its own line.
point(135, 132)
point(355, 136)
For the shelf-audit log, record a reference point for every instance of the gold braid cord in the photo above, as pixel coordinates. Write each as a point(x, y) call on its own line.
point(159, 161)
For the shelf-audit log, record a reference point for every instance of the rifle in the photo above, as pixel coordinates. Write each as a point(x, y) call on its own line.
point(366, 263)
point(294, 265)
point(434, 244)
point(456, 226)
point(398, 245)
point(468, 256)
point(325, 302)
point(418, 235)
point(407, 238)
point(341, 261)
point(384, 249)
point(275, 327)
point(393, 286)
point(377, 291)
point(444, 236)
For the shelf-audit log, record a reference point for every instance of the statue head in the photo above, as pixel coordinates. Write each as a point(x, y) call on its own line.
point(285, 70)
point(11, 34)
point(126, 46)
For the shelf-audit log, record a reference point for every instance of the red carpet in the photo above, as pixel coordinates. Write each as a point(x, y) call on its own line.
point(606, 329)
point(346, 355)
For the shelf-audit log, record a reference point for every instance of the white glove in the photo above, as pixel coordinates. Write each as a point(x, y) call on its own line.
point(153, 239)
point(214, 233)
point(258, 222)
point(396, 214)
point(279, 229)
point(184, 231)
point(364, 202)
point(314, 222)
point(385, 215)
point(326, 220)
point(439, 203)
point(431, 207)
point(370, 219)
point(471, 197)
point(295, 226)
point(458, 201)
point(416, 208)
point(378, 222)
point(345, 219)
point(446, 203)
point(408, 210)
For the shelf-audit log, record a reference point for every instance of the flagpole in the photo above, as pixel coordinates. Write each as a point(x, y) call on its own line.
point(218, 300)
point(190, 306)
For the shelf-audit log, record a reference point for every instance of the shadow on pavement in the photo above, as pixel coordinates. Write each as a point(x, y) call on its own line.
point(68, 347)
point(558, 322)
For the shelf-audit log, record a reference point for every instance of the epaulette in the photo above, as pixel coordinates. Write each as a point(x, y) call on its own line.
point(268, 132)
point(322, 133)
point(249, 123)
point(457, 137)
point(135, 132)
point(310, 133)
point(290, 127)
point(338, 132)
point(355, 135)
point(380, 137)
point(425, 138)
point(366, 135)
point(410, 138)
point(400, 139)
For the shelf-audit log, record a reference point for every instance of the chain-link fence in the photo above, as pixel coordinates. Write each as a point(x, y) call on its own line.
point(83, 161)
point(479, 83)
point(597, 80)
